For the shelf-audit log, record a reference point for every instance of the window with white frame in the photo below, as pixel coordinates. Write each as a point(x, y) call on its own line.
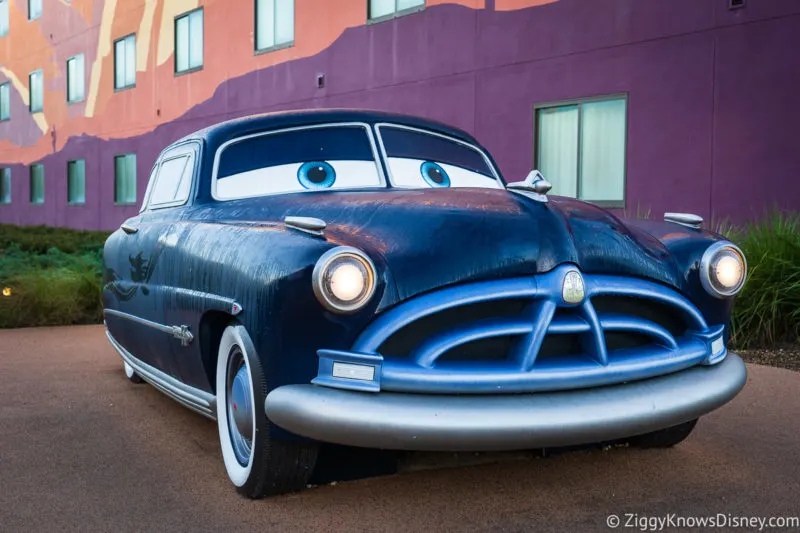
point(37, 184)
point(36, 91)
point(125, 179)
point(174, 181)
point(381, 9)
point(34, 9)
point(125, 62)
point(5, 185)
point(75, 79)
point(580, 148)
point(76, 182)
point(5, 101)
point(189, 41)
point(274, 24)
point(3, 18)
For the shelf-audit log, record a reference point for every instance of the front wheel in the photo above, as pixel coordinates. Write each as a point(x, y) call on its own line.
point(664, 438)
point(257, 464)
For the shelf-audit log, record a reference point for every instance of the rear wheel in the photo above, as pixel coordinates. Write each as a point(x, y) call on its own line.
point(664, 438)
point(257, 464)
point(131, 374)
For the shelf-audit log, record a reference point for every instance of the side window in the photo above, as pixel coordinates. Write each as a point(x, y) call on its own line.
point(174, 181)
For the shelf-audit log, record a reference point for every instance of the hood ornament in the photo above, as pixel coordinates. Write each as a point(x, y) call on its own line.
point(689, 220)
point(534, 186)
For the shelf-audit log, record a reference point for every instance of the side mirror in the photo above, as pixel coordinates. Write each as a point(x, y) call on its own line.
point(535, 185)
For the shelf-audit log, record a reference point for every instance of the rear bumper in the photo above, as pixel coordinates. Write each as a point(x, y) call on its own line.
point(505, 422)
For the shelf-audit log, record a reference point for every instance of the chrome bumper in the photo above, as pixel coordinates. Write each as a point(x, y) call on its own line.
point(505, 422)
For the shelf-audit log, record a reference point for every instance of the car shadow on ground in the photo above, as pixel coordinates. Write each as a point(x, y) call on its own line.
point(345, 463)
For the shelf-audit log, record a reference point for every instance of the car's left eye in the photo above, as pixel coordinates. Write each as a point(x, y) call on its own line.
point(434, 175)
point(316, 175)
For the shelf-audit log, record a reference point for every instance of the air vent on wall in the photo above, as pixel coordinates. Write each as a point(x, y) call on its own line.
point(736, 4)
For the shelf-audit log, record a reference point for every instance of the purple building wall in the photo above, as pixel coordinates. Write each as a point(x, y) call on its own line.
point(712, 112)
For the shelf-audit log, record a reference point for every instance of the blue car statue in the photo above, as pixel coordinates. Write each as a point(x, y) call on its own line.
point(370, 279)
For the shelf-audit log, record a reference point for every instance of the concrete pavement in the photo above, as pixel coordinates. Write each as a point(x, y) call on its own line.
point(82, 449)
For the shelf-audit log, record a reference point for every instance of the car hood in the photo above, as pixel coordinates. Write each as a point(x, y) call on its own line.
point(429, 238)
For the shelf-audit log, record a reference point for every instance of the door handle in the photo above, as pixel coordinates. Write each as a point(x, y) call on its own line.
point(127, 228)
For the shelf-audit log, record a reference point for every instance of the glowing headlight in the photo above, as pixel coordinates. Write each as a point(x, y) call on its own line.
point(723, 270)
point(344, 279)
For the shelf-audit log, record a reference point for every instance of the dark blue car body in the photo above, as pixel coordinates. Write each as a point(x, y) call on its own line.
point(467, 301)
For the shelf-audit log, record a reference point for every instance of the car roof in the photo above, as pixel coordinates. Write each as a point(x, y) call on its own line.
point(220, 133)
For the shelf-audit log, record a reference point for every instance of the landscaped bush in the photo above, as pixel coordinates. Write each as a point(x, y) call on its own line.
point(40, 239)
point(767, 311)
point(54, 276)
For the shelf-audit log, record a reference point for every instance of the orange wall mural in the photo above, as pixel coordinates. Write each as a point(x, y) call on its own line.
point(90, 27)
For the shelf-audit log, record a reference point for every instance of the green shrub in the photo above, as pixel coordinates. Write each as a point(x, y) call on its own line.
point(40, 239)
point(52, 297)
point(54, 275)
point(767, 312)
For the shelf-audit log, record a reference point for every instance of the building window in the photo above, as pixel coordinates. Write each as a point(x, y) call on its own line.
point(580, 149)
point(383, 9)
point(189, 41)
point(3, 18)
point(76, 182)
point(274, 24)
point(36, 91)
point(34, 9)
point(75, 79)
point(5, 101)
point(5, 185)
point(125, 62)
point(37, 184)
point(125, 179)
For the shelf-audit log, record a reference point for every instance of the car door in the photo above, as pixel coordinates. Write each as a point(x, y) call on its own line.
point(137, 316)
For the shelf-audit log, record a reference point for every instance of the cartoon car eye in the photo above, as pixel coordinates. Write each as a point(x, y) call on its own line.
point(434, 175)
point(316, 175)
point(416, 159)
point(305, 160)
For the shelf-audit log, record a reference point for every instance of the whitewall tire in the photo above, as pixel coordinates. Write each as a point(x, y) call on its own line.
point(257, 464)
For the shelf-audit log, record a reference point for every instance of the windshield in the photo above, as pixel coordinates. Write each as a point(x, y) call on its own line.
point(419, 159)
point(307, 159)
point(341, 156)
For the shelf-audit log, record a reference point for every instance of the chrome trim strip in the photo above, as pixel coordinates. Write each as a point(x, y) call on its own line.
point(195, 399)
point(181, 333)
point(220, 303)
point(504, 422)
point(314, 226)
point(380, 125)
point(690, 220)
point(367, 128)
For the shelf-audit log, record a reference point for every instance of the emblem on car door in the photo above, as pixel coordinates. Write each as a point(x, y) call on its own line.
point(183, 334)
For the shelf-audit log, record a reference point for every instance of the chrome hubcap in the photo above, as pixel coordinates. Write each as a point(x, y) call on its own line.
point(240, 408)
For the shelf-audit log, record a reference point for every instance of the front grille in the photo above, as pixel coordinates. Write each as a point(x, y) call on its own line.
point(492, 349)
point(518, 335)
point(664, 315)
point(556, 346)
point(624, 340)
point(406, 339)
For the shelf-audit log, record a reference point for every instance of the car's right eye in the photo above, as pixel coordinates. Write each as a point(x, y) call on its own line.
point(316, 175)
point(434, 175)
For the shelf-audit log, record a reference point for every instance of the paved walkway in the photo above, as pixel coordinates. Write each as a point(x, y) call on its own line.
point(81, 448)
